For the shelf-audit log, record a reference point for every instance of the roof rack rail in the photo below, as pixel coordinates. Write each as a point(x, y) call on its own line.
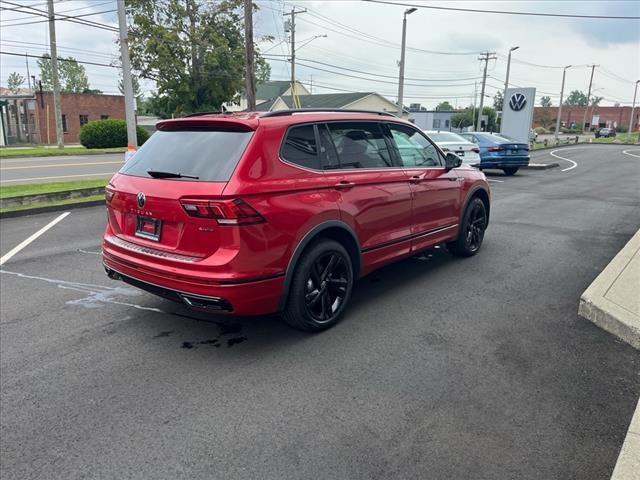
point(282, 113)
point(197, 114)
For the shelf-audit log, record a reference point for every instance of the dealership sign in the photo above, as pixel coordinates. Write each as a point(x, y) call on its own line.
point(518, 113)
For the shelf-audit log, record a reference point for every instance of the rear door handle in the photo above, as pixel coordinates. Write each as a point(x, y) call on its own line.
point(344, 184)
point(416, 179)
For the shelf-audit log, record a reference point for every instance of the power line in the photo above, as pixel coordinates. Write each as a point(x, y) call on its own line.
point(61, 11)
point(63, 19)
point(59, 59)
point(67, 18)
point(504, 12)
point(33, 46)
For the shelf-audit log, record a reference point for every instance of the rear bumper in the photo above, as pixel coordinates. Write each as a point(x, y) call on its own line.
point(504, 161)
point(258, 297)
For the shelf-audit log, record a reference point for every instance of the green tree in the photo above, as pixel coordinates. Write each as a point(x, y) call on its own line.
point(577, 99)
point(492, 115)
point(595, 101)
point(135, 83)
point(498, 100)
point(462, 119)
point(545, 101)
point(14, 82)
point(72, 75)
point(192, 50)
point(444, 106)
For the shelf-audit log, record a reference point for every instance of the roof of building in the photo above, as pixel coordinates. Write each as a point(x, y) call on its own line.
point(327, 100)
point(272, 89)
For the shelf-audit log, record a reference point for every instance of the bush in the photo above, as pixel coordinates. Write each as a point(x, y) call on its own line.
point(541, 131)
point(621, 129)
point(108, 133)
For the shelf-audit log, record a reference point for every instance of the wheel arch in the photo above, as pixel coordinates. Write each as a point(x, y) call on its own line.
point(481, 193)
point(334, 230)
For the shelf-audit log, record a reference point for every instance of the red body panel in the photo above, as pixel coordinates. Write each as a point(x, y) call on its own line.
point(390, 214)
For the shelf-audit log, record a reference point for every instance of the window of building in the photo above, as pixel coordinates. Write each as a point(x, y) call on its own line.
point(104, 117)
point(414, 149)
point(84, 119)
point(436, 123)
point(360, 145)
point(446, 124)
point(64, 124)
point(300, 147)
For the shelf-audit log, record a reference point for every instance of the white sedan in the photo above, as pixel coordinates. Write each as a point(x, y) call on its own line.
point(468, 152)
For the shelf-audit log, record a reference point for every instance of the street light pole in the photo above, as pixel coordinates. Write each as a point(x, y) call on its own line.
point(506, 82)
point(404, 40)
point(564, 73)
point(57, 107)
point(584, 117)
point(633, 107)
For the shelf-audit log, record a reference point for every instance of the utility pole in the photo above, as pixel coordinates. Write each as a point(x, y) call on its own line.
point(475, 97)
point(26, 61)
point(564, 73)
point(132, 137)
point(409, 11)
point(484, 58)
point(633, 107)
point(250, 80)
point(57, 108)
point(292, 30)
point(506, 83)
point(584, 117)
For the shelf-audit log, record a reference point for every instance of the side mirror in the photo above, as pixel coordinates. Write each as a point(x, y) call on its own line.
point(451, 160)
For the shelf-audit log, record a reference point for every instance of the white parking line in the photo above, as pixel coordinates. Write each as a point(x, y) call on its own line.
point(553, 154)
point(494, 180)
point(59, 176)
point(26, 242)
point(626, 152)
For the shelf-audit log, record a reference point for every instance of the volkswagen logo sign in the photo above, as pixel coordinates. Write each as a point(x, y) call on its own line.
point(517, 102)
point(141, 199)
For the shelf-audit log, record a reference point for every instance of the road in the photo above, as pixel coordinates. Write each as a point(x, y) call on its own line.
point(14, 171)
point(442, 368)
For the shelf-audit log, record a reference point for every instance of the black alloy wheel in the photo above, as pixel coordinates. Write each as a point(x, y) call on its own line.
point(471, 233)
point(320, 288)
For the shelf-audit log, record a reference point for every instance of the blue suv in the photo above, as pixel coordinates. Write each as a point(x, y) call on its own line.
point(499, 151)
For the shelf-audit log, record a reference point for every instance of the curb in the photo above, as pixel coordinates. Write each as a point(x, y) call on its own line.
point(600, 303)
point(26, 200)
point(51, 208)
point(541, 166)
point(628, 464)
point(581, 144)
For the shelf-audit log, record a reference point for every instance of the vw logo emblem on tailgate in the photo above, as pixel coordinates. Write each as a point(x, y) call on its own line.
point(517, 102)
point(141, 199)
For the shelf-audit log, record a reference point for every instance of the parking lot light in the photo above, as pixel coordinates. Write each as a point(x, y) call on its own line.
point(506, 80)
point(409, 11)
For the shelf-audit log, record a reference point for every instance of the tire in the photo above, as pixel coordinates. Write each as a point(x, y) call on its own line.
point(474, 224)
point(510, 170)
point(320, 288)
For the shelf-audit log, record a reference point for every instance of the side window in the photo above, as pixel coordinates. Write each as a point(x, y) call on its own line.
point(414, 149)
point(328, 154)
point(360, 145)
point(300, 147)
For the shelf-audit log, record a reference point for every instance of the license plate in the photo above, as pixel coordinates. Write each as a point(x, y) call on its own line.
point(460, 153)
point(147, 227)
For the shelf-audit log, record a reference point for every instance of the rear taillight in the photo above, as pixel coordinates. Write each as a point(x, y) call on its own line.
point(109, 194)
point(494, 149)
point(225, 212)
point(475, 149)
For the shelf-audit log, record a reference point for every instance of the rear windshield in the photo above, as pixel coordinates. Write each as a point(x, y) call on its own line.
point(209, 155)
point(445, 137)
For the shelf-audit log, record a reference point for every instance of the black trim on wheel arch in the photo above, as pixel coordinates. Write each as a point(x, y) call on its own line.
point(306, 240)
point(471, 195)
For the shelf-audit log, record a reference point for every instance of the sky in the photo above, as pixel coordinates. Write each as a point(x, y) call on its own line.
point(361, 49)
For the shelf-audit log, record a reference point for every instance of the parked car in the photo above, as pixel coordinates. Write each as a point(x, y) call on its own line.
point(533, 135)
point(468, 151)
point(499, 151)
point(606, 132)
point(250, 214)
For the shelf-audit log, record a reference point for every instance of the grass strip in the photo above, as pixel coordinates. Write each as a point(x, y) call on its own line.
point(68, 201)
point(55, 152)
point(53, 187)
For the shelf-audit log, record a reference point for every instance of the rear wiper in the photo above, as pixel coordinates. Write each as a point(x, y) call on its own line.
point(159, 174)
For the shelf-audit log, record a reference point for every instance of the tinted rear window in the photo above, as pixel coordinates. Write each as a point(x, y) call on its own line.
point(445, 137)
point(209, 155)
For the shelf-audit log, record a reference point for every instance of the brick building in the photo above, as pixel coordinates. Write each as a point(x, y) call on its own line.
point(611, 117)
point(31, 119)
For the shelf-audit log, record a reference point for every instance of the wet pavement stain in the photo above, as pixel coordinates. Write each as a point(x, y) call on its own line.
point(234, 341)
point(188, 345)
point(164, 334)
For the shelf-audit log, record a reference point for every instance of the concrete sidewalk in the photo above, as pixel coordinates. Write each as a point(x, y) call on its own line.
point(612, 302)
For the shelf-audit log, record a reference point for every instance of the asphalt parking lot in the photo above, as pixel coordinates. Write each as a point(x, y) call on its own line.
point(442, 368)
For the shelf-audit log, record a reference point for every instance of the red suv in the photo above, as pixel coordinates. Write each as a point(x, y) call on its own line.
point(251, 214)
